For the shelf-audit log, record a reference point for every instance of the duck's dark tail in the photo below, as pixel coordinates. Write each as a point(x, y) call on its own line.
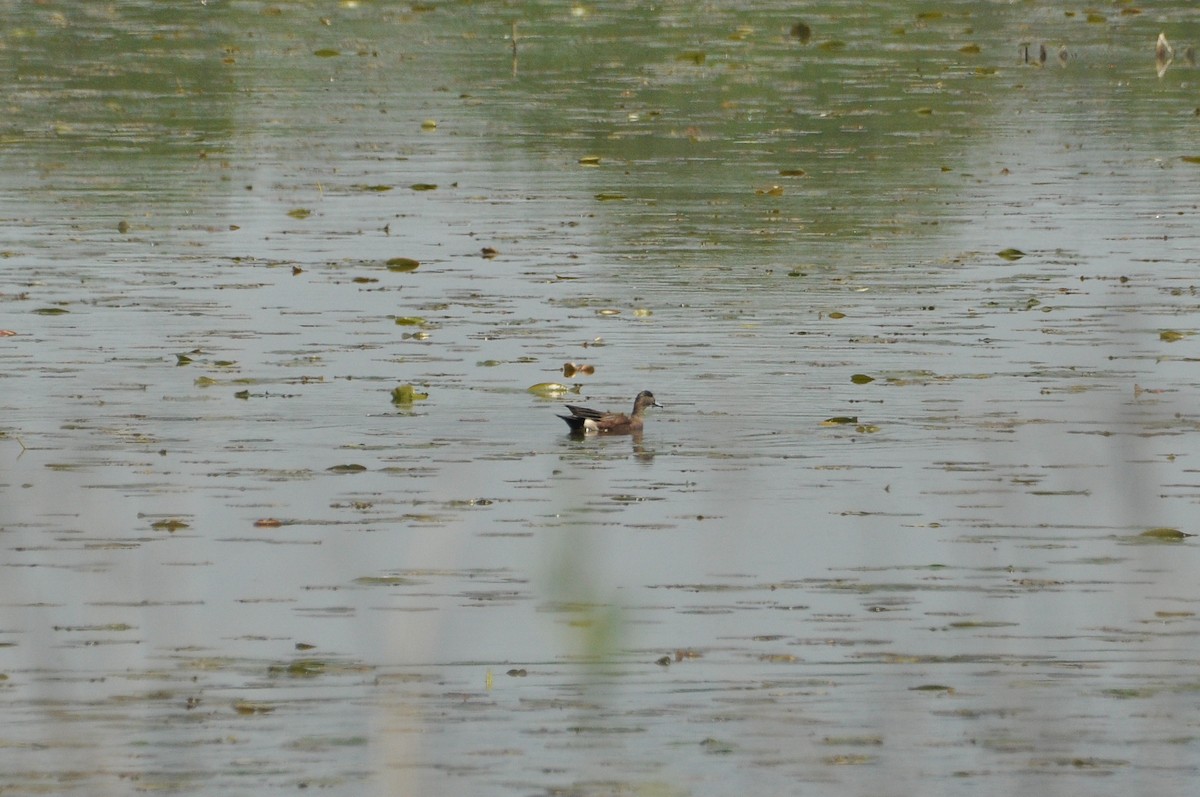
point(575, 422)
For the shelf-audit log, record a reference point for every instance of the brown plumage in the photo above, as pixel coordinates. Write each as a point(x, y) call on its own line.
point(584, 420)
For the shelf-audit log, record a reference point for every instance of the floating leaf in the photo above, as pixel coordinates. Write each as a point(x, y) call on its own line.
point(924, 111)
point(171, 524)
point(771, 190)
point(837, 314)
point(1171, 335)
point(1010, 254)
point(867, 428)
point(402, 264)
point(429, 124)
point(572, 369)
point(410, 321)
point(50, 311)
point(246, 707)
point(299, 213)
point(407, 394)
point(862, 379)
point(375, 188)
point(969, 49)
point(549, 389)
point(383, 581)
point(268, 523)
point(610, 196)
point(424, 186)
point(1190, 158)
point(242, 394)
point(350, 468)
point(1164, 533)
point(607, 311)
point(305, 668)
point(792, 173)
point(589, 160)
point(696, 57)
point(326, 52)
point(840, 420)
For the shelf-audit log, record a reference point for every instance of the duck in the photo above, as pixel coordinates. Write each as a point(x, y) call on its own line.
point(584, 420)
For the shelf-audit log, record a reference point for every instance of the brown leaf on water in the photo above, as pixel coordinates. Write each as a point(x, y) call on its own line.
point(1172, 335)
point(268, 523)
point(840, 420)
point(170, 524)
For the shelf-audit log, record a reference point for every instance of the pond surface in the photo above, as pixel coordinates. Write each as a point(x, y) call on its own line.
point(915, 516)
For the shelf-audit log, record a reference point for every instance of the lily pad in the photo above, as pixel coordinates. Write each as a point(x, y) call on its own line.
point(407, 394)
point(402, 264)
point(840, 420)
point(1165, 533)
point(549, 389)
point(1010, 254)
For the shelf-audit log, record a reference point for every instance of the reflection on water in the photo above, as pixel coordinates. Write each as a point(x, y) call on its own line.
point(231, 559)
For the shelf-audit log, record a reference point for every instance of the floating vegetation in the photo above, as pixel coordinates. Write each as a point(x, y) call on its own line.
point(1164, 534)
point(402, 264)
point(1010, 254)
point(407, 394)
point(549, 389)
point(349, 468)
point(840, 420)
point(571, 369)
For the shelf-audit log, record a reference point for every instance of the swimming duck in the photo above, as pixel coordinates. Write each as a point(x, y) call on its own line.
point(584, 420)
